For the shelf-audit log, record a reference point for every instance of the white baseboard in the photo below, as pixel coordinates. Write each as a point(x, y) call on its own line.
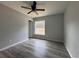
point(69, 52)
point(12, 45)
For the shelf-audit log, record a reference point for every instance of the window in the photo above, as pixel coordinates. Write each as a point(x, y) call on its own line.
point(40, 27)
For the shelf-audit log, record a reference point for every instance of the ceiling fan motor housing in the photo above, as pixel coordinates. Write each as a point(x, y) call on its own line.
point(34, 6)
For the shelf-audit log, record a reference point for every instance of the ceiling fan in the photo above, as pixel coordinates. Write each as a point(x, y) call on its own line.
point(33, 8)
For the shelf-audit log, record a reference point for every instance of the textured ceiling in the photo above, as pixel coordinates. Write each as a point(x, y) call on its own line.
point(51, 7)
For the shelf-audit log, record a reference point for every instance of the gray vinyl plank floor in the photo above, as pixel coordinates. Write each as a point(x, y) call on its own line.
point(36, 48)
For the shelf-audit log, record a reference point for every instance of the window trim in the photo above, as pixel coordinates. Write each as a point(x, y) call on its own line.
point(44, 27)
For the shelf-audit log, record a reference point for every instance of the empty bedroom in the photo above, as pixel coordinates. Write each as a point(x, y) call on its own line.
point(39, 29)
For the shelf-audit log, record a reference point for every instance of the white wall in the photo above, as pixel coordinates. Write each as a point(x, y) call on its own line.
point(13, 27)
point(31, 29)
point(53, 27)
point(71, 26)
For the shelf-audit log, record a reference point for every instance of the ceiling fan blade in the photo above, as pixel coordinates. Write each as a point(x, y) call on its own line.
point(36, 12)
point(40, 9)
point(25, 7)
point(29, 12)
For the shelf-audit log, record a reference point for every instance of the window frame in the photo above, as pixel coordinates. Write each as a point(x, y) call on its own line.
point(35, 27)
